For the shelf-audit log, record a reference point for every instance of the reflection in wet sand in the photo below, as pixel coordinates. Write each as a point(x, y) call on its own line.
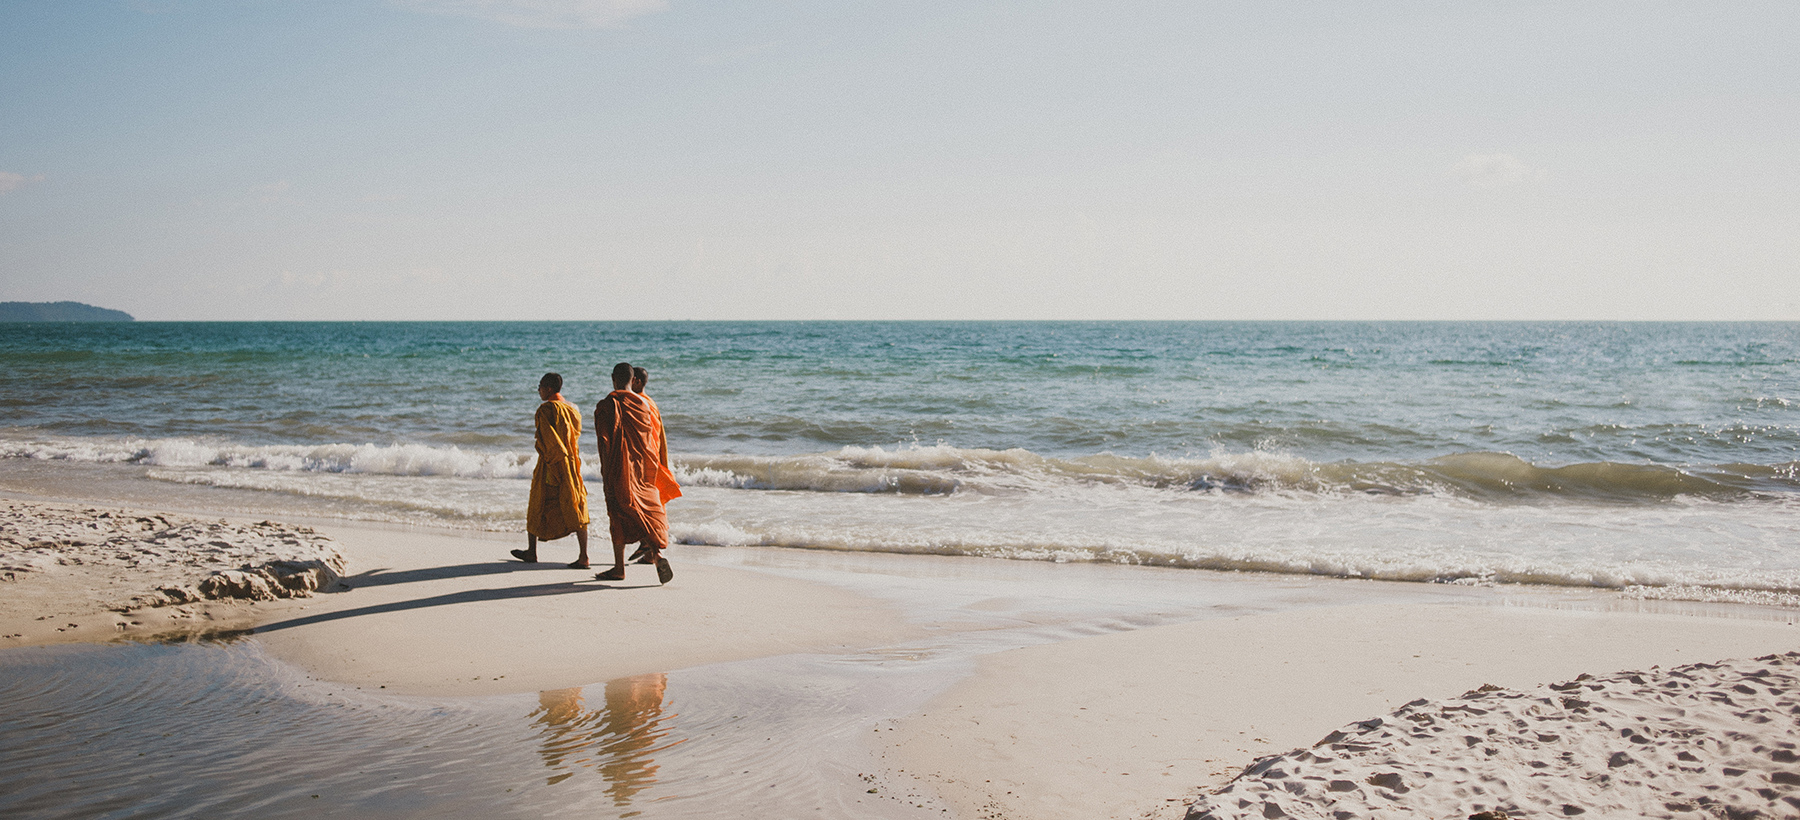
point(618, 740)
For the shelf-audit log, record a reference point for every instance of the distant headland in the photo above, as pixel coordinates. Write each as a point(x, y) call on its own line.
point(59, 312)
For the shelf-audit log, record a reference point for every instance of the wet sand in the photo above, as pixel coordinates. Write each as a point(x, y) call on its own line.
point(431, 613)
point(1031, 689)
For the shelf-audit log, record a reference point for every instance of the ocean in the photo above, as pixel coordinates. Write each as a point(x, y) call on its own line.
point(1663, 458)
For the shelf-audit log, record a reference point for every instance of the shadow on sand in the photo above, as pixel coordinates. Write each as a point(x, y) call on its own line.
point(384, 577)
point(468, 596)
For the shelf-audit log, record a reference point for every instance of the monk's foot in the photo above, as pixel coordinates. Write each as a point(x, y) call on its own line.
point(638, 557)
point(528, 556)
point(614, 574)
point(663, 572)
point(578, 565)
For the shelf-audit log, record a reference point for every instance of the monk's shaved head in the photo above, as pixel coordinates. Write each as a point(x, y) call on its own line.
point(639, 378)
point(621, 375)
point(551, 382)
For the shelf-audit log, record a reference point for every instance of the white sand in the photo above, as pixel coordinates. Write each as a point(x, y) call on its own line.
point(1126, 725)
point(81, 573)
point(1699, 741)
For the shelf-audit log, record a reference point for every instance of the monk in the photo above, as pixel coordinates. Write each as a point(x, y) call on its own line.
point(640, 378)
point(558, 504)
point(634, 469)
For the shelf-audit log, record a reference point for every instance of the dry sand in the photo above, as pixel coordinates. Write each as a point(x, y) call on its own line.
point(1125, 725)
point(1697, 741)
point(83, 573)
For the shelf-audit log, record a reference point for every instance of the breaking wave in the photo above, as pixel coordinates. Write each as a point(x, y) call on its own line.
point(943, 470)
point(374, 459)
point(1484, 476)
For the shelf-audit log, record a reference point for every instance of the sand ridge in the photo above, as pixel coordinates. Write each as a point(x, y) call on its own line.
point(77, 572)
point(1698, 741)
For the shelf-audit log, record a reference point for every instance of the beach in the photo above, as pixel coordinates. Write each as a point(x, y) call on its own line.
point(1028, 701)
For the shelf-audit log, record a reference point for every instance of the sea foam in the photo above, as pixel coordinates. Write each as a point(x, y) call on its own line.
point(942, 470)
point(377, 459)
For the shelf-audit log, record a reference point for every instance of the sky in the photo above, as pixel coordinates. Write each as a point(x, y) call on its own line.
point(787, 159)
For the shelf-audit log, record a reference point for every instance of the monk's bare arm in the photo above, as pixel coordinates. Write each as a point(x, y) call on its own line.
point(603, 425)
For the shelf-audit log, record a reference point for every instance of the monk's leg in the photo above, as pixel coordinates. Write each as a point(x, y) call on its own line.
point(618, 543)
point(529, 553)
point(663, 572)
point(656, 535)
point(581, 561)
point(617, 573)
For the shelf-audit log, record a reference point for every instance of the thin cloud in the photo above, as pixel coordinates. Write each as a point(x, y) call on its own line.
point(271, 192)
point(542, 13)
point(10, 181)
point(737, 54)
point(1494, 171)
point(159, 6)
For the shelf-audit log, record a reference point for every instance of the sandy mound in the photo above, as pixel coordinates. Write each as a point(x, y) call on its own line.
point(1698, 741)
point(59, 560)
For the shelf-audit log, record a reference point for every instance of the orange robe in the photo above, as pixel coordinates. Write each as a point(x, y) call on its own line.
point(558, 503)
point(634, 468)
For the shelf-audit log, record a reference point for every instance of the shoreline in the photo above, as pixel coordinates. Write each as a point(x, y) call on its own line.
point(1644, 551)
point(1066, 690)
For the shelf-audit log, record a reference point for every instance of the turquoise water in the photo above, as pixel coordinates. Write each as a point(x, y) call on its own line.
point(1586, 454)
point(1657, 393)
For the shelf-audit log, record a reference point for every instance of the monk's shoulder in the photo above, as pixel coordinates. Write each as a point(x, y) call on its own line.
point(557, 411)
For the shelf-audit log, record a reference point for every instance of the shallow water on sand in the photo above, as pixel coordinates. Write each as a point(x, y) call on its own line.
point(208, 730)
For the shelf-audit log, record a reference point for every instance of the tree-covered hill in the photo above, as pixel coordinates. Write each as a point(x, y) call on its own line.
point(59, 312)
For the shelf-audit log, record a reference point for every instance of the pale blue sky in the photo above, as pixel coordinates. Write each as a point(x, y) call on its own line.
point(586, 159)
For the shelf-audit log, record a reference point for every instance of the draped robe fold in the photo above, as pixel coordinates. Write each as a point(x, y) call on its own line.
point(558, 503)
point(634, 468)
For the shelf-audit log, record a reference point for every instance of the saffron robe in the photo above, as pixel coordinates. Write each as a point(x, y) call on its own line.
point(558, 503)
point(634, 468)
